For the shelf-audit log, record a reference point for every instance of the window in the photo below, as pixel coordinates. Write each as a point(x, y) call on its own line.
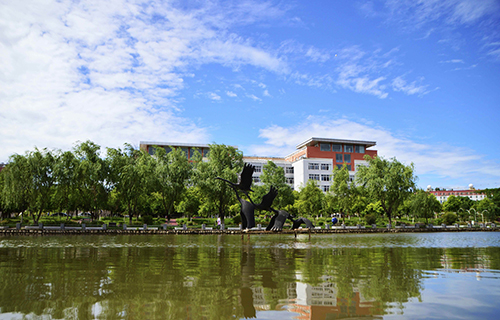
point(336, 147)
point(325, 177)
point(185, 150)
point(314, 176)
point(351, 178)
point(256, 179)
point(325, 188)
point(349, 167)
point(191, 152)
point(205, 152)
point(339, 166)
point(347, 158)
point(289, 170)
point(348, 148)
point(313, 166)
point(325, 166)
point(324, 147)
point(359, 149)
point(289, 180)
point(151, 150)
point(258, 169)
point(338, 157)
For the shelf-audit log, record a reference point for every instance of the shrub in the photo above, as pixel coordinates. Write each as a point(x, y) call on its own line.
point(370, 219)
point(147, 220)
point(449, 218)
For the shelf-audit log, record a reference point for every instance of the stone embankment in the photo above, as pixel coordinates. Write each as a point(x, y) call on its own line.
point(37, 231)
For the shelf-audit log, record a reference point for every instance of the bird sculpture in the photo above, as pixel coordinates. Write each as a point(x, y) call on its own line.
point(299, 221)
point(245, 180)
point(278, 220)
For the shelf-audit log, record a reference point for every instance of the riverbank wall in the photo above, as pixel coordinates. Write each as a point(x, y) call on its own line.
point(6, 232)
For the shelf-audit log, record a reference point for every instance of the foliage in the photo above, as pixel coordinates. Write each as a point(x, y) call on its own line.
point(310, 200)
point(274, 176)
point(387, 181)
point(370, 219)
point(449, 218)
point(454, 204)
point(342, 190)
point(190, 202)
point(225, 162)
point(424, 204)
point(487, 207)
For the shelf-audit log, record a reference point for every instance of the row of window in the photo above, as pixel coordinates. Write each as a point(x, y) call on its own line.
point(289, 180)
point(338, 147)
point(189, 152)
point(327, 166)
point(287, 169)
point(315, 176)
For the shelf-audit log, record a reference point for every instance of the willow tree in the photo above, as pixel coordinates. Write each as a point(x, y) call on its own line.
point(274, 176)
point(387, 181)
point(424, 204)
point(167, 176)
point(225, 162)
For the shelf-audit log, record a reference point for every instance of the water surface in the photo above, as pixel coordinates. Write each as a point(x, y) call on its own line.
point(334, 276)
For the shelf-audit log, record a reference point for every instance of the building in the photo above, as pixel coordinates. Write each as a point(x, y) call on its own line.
point(313, 159)
point(471, 193)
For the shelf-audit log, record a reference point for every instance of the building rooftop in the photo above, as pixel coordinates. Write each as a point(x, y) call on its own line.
point(174, 144)
point(314, 140)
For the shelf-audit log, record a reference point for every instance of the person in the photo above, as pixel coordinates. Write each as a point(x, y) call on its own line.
point(218, 222)
point(334, 220)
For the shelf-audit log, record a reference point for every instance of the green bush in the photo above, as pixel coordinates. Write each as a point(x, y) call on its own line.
point(147, 220)
point(449, 218)
point(370, 219)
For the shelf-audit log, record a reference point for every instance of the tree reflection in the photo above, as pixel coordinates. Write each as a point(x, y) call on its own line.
point(218, 277)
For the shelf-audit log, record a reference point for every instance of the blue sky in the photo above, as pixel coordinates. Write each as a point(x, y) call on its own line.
point(421, 78)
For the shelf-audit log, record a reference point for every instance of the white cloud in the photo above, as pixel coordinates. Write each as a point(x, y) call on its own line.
point(266, 93)
point(429, 158)
point(398, 84)
point(254, 97)
point(111, 71)
point(453, 61)
point(317, 55)
point(231, 94)
point(214, 96)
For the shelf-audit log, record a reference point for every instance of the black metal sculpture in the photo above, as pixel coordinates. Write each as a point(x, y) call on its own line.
point(299, 221)
point(247, 210)
point(278, 220)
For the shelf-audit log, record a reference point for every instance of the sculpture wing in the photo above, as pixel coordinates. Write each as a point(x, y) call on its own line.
point(308, 223)
point(246, 177)
point(268, 199)
point(271, 223)
point(299, 221)
point(280, 220)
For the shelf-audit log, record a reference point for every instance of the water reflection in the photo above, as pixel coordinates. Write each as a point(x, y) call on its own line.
point(264, 277)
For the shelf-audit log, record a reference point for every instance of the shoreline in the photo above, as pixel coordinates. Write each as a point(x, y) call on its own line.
point(100, 231)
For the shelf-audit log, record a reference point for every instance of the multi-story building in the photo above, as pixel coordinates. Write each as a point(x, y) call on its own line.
point(471, 193)
point(314, 159)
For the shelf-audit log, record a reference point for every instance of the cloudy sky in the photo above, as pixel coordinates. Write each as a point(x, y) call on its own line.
point(419, 77)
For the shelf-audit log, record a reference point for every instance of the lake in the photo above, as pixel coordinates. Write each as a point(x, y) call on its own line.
point(331, 276)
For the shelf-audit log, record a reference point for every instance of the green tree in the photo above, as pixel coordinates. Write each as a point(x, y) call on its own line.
point(310, 200)
point(127, 176)
point(17, 183)
point(225, 162)
point(167, 175)
point(387, 181)
point(190, 202)
point(274, 176)
point(348, 197)
point(424, 204)
point(487, 208)
point(454, 204)
point(65, 168)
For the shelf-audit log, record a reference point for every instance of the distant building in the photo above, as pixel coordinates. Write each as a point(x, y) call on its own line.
point(314, 159)
point(471, 193)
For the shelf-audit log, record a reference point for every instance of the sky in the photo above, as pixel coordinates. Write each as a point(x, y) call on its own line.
point(419, 77)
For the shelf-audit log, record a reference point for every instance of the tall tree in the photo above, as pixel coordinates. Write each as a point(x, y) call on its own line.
point(311, 199)
point(343, 190)
point(225, 162)
point(167, 175)
point(127, 177)
point(274, 176)
point(424, 204)
point(387, 181)
point(91, 177)
point(65, 198)
point(18, 183)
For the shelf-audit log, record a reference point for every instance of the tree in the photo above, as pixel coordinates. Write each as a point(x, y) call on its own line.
point(424, 204)
point(65, 175)
point(487, 208)
point(274, 176)
point(18, 182)
point(387, 181)
point(91, 177)
point(310, 200)
point(225, 162)
point(343, 190)
point(127, 176)
point(167, 176)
